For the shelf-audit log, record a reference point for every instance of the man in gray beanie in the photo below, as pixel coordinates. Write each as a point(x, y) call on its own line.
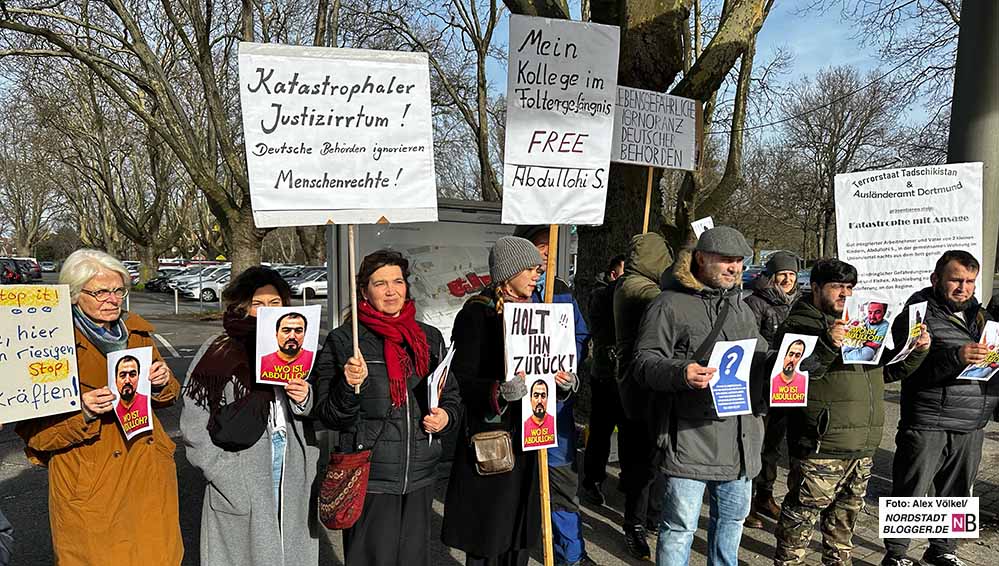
point(773, 294)
point(699, 306)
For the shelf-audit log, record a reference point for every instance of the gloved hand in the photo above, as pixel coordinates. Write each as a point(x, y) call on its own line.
point(513, 390)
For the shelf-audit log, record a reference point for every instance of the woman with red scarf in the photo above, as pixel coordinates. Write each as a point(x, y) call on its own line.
point(391, 414)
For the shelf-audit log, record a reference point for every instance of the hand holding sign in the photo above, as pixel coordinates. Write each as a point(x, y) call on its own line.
point(355, 371)
point(97, 402)
point(973, 353)
point(698, 376)
point(159, 374)
point(837, 333)
point(436, 421)
point(297, 390)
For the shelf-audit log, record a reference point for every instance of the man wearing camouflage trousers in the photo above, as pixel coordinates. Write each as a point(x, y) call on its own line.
point(832, 440)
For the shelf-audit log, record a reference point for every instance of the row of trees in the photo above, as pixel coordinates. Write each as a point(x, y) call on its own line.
point(121, 117)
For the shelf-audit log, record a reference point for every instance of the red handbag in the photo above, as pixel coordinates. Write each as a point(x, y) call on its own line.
point(341, 495)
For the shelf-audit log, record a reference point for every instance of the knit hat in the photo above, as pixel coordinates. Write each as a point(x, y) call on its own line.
point(511, 255)
point(723, 240)
point(782, 261)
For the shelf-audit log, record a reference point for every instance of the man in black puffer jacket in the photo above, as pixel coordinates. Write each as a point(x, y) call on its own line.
point(939, 439)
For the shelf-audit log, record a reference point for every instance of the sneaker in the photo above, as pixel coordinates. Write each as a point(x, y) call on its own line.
point(584, 561)
point(945, 559)
point(764, 504)
point(903, 561)
point(636, 543)
point(753, 521)
point(591, 494)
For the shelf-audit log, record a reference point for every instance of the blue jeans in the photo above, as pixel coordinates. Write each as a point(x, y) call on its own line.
point(278, 442)
point(729, 506)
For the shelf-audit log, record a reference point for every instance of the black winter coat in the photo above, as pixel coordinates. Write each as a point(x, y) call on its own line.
point(601, 327)
point(932, 397)
point(487, 515)
point(403, 461)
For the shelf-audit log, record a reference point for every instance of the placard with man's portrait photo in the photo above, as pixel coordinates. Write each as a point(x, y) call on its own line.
point(287, 340)
point(788, 383)
point(128, 379)
point(868, 321)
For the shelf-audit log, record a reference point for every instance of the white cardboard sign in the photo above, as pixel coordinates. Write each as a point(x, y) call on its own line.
point(788, 384)
point(730, 384)
point(984, 370)
point(654, 129)
point(341, 135)
point(38, 374)
point(893, 225)
point(561, 88)
point(540, 341)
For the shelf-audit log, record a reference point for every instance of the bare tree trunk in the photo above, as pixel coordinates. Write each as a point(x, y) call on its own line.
point(150, 263)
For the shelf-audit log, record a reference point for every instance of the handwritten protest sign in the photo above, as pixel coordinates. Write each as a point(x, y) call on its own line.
point(38, 375)
point(868, 319)
point(893, 225)
point(287, 339)
point(917, 313)
point(654, 129)
point(540, 341)
point(984, 370)
point(128, 379)
point(561, 89)
point(788, 384)
point(337, 134)
point(437, 381)
point(730, 384)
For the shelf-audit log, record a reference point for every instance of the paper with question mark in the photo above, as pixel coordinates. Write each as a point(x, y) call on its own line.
point(730, 384)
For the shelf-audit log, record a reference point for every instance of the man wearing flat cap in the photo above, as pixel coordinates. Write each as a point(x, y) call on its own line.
point(699, 306)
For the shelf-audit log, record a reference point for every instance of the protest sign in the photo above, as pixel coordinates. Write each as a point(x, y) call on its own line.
point(702, 225)
point(38, 375)
point(893, 225)
point(917, 313)
point(788, 385)
point(341, 135)
point(984, 370)
point(128, 379)
point(287, 339)
point(654, 129)
point(540, 341)
point(561, 89)
point(730, 384)
point(868, 319)
point(437, 381)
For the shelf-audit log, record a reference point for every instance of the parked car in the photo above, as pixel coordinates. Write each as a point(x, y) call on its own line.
point(207, 291)
point(10, 272)
point(31, 266)
point(194, 274)
point(305, 274)
point(310, 289)
point(804, 279)
point(751, 273)
point(47, 266)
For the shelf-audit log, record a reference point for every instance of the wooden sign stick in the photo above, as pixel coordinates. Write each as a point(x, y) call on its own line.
point(546, 505)
point(648, 203)
point(352, 279)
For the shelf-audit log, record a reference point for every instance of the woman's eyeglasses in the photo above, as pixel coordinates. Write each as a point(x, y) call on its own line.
point(105, 294)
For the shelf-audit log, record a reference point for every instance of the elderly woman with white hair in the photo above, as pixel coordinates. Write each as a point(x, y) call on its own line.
point(111, 500)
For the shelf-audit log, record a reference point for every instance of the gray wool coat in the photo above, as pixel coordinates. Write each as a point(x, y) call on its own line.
point(239, 522)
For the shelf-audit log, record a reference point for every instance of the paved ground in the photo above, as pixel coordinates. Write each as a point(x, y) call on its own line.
point(23, 489)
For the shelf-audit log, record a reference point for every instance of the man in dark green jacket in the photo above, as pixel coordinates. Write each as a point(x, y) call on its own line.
point(832, 441)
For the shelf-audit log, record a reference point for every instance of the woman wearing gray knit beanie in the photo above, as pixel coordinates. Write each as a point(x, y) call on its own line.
point(494, 519)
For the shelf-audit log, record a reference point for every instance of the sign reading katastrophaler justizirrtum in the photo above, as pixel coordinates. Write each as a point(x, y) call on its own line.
point(337, 135)
point(561, 89)
point(893, 225)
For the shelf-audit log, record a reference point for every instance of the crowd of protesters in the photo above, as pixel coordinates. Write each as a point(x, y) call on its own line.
point(654, 320)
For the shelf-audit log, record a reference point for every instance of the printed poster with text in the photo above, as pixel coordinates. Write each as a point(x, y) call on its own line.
point(654, 129)
point(128, 379)
point(788, 384)
point(561, 89)
point(868, 328)
point(730, 384)
point(341, 135)
point(540, 341)
point(38, 375)
point(287, 340)
point(984, 370)
point(893, 225)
